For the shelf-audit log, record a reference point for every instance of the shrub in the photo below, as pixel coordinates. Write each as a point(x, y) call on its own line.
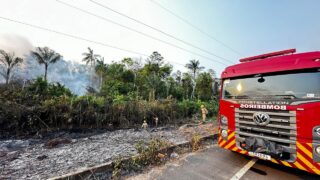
point(195, 142)
point(149, 153)
point(39, 105)
point(189, 108)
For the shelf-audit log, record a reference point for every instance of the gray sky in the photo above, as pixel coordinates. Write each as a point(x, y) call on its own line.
point(248, 26)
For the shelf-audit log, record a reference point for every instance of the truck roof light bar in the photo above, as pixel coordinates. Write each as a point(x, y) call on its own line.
point(268, 55)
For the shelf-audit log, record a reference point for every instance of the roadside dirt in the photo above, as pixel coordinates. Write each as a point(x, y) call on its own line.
point(65, 153)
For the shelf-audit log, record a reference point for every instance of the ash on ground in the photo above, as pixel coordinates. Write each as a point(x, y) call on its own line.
point(66, 152)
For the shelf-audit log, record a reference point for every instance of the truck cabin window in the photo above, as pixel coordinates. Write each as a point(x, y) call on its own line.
point(301, 85)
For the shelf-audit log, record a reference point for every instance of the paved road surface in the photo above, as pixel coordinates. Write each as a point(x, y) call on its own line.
point(217, 163)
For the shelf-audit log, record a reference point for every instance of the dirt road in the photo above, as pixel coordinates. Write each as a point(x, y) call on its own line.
point(217, 163)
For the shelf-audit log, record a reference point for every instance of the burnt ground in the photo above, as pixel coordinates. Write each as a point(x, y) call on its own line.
point(64, 152)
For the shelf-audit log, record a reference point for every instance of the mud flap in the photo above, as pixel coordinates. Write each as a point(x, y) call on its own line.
point(259, 145)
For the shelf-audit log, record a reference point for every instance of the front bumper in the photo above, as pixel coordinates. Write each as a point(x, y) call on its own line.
point(304, 159)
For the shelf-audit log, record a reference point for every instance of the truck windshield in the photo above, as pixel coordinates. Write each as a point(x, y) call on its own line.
point(305, 85)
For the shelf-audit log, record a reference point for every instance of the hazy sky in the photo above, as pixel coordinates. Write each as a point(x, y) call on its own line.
point(248, 26)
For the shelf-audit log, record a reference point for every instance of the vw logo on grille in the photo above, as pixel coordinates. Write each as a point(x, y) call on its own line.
point(261, 118)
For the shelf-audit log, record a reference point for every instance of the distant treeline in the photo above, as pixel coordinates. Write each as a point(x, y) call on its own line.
point(121, 94)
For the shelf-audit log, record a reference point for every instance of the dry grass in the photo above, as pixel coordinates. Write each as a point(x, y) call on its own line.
point(196, 142)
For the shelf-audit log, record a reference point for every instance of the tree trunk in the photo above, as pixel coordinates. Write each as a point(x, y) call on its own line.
point(134, 79)
point(92, 74)
point(8, 76)
point(193, 90)
point(152, 94)
point(45, 71)
point(193, 85)
point(101, 80)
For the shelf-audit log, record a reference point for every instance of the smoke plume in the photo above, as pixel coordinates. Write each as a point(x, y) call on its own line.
point(73, 75)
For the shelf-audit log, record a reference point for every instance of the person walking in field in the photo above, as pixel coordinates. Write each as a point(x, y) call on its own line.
point(144, 125)
point(156, 119)
point(204, 113)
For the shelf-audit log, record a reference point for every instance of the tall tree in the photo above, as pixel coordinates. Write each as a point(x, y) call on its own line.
point(101, 69)
point(134, 66)
point(204, 86)
point(213, 73)
point(117, 81)
point(187, 85)
point(155, 58)
point(195, 68)
point(178, 77)
point(90, 58)
point(154, 63)
point(9, 62)
point(155, 72)
point(215, 83)
point(46, 56)
point(153, 82)
point(128, 62)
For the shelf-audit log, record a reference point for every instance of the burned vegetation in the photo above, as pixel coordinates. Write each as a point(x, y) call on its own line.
point(119, 95)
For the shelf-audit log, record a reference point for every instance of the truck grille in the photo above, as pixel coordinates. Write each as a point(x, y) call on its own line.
point(281, 129)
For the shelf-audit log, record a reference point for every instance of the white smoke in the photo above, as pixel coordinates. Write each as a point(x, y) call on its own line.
point(21, 46)
point(74, 76)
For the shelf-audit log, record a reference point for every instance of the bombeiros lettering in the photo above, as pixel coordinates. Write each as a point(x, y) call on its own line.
point(263, 106)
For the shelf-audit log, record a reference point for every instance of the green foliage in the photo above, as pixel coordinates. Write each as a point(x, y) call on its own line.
point(195, 68)
point(117, 81)
point(117, 168)
point(129, 93)
point(204, 86)
point(189, 107)
point(41, 88)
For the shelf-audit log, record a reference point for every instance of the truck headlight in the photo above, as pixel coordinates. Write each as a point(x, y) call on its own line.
point(317, 150)
point(317, 131)
point(224, 120)
point(224, 134)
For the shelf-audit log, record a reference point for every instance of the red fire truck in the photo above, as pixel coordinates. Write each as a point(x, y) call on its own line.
point(270, 108)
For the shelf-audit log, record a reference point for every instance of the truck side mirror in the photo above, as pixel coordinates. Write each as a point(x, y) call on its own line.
point(261, 80)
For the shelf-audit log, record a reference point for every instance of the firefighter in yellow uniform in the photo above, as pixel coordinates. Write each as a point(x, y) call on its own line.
point(156, 119)
point(144, 125)
point(204, 113)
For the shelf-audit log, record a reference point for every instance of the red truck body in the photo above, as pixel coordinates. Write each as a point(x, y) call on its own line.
point(284, 130)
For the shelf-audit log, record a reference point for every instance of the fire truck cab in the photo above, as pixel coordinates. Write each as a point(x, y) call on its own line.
point(270, 108)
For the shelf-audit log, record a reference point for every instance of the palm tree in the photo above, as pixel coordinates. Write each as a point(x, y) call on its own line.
point(101, 68)
point(195, 68)
point(90, 58)
point(46, 56)
point(9, 61)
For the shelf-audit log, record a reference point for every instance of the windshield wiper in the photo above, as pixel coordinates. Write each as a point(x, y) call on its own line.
point(241, 97)
point(286, 96)
point(238, 97)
